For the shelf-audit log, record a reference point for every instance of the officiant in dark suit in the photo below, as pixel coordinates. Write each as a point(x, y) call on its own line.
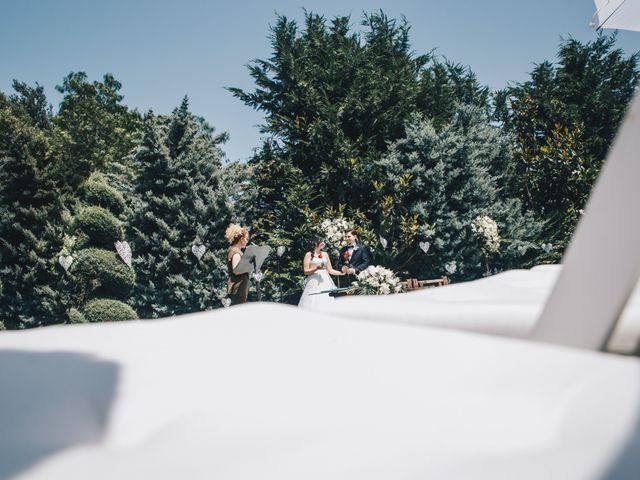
point(354, 257)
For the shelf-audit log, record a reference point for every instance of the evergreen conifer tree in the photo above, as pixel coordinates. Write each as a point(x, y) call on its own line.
point(30, 214)
point(448, 182)
point(181, 210)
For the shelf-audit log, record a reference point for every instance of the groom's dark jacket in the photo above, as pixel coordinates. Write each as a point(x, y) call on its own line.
point(360, 257)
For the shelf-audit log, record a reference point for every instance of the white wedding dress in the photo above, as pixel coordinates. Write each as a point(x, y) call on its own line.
point(317, 282)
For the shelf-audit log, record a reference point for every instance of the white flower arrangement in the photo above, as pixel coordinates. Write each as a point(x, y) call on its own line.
point(333, 231)
point(376, 280)
point(486, 229)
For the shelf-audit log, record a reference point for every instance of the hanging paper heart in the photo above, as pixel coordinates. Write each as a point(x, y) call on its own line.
point(451, 267)
point(547, 247)
point(280, 250)
point(226, 302)
point(424, 246)
point(383, 242)
point(198, 250)
point(124, 250)
point(65, 261)
point(258, 276)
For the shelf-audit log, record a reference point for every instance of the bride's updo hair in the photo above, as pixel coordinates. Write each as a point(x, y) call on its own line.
point(235, 232)
point(315, 241)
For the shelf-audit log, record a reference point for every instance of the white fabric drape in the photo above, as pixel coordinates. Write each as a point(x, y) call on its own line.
point(275, 392)
point(621, 14)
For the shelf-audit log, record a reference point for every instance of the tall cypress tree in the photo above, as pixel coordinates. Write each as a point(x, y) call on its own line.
point(180, 208)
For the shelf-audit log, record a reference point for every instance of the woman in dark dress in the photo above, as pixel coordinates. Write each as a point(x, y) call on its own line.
point(238, 283)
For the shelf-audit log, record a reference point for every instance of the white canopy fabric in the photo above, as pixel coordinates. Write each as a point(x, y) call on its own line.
point(620, 14)
point(275, 392)
point(602, 263)
point(509, 304)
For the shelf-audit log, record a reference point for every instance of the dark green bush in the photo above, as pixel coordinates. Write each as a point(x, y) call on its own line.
point(102, 195)
point(76, 316)
point(106, 310)
point(99, 225)
point(103, 272)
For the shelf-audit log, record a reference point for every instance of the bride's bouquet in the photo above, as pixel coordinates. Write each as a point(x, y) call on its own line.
point(376, 280)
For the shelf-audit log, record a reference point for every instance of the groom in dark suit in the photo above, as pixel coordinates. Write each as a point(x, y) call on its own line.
point(354, 258)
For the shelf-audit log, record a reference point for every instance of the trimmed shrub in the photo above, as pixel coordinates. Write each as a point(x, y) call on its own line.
point(99, 225)
point(75, 316)
point(100, 194)
point(106, 310)
point(103, 272)
point(2, 327)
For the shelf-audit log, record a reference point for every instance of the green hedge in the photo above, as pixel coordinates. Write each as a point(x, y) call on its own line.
point(104, 271)
point(106, 310)
point(100, 225)
point(100, 194)
point(76, 316)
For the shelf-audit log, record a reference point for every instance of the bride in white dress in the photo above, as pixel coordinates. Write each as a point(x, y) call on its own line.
point(317, 267)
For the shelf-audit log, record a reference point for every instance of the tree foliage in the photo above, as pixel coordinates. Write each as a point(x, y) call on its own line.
point(444, 180)
point(180, 204)
point(408, 147)
point(30, 213)
point(333, 101)
point(93, 130)
point(563, 121)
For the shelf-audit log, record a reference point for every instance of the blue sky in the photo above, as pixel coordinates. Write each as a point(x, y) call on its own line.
point(162, 50)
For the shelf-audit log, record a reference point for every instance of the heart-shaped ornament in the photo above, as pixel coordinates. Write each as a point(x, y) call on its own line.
point(124, 250)
point(226, 302)
point(451, 267)
point(424, 246)
point(198, 250)
point(383, 242)
point(280, 250)
point(65, 261)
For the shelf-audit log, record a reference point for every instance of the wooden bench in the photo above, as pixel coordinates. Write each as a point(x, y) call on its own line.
point(415, 284)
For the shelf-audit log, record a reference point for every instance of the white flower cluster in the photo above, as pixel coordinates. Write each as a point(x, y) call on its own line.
point(487, 229)
point(376, 280)
point(333, 231)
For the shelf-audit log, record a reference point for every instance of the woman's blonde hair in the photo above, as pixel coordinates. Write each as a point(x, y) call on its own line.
point(235, 232)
